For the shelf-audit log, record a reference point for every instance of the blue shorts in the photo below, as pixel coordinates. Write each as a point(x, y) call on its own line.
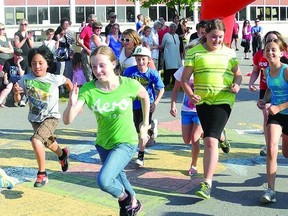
point(189, 118)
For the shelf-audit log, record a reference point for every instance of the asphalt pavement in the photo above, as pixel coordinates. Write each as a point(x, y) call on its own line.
point(162, 184)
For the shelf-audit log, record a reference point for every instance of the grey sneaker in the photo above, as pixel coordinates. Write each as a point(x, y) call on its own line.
point(263, 151)
point(268, 197)
point(225, 145)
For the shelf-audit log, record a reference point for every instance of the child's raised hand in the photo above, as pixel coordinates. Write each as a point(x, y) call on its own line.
point(73, 95)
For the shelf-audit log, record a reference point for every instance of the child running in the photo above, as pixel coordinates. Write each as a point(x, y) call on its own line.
point(276, 75)
point(78, 70)
point(41, 89)
point(217, 79)
point(151, 80)
point(191, 127)
point(110, 98)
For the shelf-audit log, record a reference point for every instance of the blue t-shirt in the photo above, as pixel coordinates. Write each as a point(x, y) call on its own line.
point(151, 80)
point(138, 25)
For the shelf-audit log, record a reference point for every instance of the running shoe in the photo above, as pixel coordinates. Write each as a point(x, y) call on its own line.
point(225, 145)
point(5, 180)
point(124, 204)
point(204, 190)
point(154, 126)
point(268, 197)
point(192, 171)
point(64, 163)
point(263, 151)
point(134, 211)
point(41, 180)
point(140, 162)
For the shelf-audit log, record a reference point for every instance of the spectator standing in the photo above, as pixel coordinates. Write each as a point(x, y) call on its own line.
point(139, 22)
point(257, 32)
point(113, 40)
point(52, 44)
point(84, 41)
point(246, 38)
point(235, 34)
point(112, 19)
point(181, 34)
point(82, 25)
point(96, 40)
point(24, 40)
point(6, 48)
point(161, 34)
point(172, 59)
point(200, 32)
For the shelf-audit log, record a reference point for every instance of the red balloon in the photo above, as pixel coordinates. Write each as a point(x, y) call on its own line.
point(225, 10)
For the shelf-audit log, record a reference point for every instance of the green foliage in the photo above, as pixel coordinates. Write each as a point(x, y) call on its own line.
point(170, 3)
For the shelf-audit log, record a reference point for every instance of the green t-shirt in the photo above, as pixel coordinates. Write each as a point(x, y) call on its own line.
point(113, 112)
point(213, 74)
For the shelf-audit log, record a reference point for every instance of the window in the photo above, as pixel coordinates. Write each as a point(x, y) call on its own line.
point(20, 14)
point(130, 14)
point(42, 14)
point(79, 14)
point(189, 14)
point(171, 13)
point(89, 10)
point(9, 16)
point(100, 11)
point(153, 13)
point(162, 12)
point(242, 15)
point(283, 14)
point(275, 13)
point(32, 15)
point(54, 15)
point(144, 11)
point(121, 14)
point(108, 11)
point(65, 12)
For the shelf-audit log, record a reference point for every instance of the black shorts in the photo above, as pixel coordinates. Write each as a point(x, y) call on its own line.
point(138, 118)
point(213, 118)
point(279, 119)
point(234, 36)
point(262, 93)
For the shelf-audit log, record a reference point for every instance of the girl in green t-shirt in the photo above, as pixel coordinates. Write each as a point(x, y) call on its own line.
point(110, 98)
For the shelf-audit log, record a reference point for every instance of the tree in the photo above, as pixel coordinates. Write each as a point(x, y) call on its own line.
point(171, 4)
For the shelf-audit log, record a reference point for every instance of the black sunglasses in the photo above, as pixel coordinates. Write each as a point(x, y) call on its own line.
point(98, 28)
point(127, 40)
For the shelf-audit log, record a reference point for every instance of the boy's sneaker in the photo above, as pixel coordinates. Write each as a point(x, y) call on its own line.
point(263, 151)
point(154, 127)
point(140, 162)
point(225, 145)
point(134, 211)
point(5, 180)
point(64, 163)
point(268, 197)
point(22, 103)
point(41, 180)
point(204, 190)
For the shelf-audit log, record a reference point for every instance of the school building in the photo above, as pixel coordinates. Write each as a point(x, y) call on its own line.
point(42, 14)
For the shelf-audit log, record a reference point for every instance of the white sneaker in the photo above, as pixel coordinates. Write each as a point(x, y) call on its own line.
point(268, 197)
point(155, 128)
point(22, 103)
point(140, 162)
